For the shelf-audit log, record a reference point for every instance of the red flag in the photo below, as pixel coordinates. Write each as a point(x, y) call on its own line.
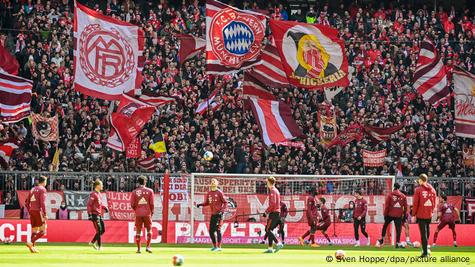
point(134, 150)
point(157, 100)
point(252, 86)
point(377, 134)
point(233, 38)
point(313, 56)
point(131, 116)
point(275, 120)
point(270, 71)
point(6, 151)
point(351, 133)
point(373, 158)
point(190, 46)
point(15, 98)
point(149, 163)
point(108, 56)
point(208, 104)
point(430, 77)
point(8, 62)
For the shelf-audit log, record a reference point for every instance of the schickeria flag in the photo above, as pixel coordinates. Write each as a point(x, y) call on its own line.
point(108, 56)
point(233, 38)
point(313, 56)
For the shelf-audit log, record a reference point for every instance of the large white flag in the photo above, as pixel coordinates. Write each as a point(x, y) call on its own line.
point(464, 91)
point(107, 56)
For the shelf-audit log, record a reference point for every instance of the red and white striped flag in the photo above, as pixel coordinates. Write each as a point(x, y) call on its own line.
point(464, 94)
point(149, 163)
point(209, 104)
point(108, 54)
point(233, 38)
point(430, 77)
point(6, 151)
point(156, 101)
point(15, 98)
point(271, 72)
point(190, 46)
point(373, 158)
point(275, 120)
point(254, 87)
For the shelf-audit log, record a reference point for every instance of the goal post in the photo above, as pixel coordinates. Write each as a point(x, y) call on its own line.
point(243, 222)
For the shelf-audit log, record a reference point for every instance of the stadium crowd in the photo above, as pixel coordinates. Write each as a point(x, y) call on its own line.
point(382, 46)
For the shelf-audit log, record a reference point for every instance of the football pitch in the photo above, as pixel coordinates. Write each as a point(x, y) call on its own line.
point(251, 255)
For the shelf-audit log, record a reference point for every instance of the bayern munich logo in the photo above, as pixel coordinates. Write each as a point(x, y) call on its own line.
point(235, 37)
point(106, 58)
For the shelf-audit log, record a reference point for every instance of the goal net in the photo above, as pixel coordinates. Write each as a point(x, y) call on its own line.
point(243, 222)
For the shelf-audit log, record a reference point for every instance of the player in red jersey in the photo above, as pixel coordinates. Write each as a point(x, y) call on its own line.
point(312, 218)
point(359, 218)
point(395, 208)
point(326, 221)
point(94, 210)
point(447, 215)
point(218, 204)
point(142, 204)
point(36, 206)
point(273, 213)
point(423, 206)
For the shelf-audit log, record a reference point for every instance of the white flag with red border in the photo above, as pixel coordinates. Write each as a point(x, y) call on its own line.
point(108, 56)
point(464, 94)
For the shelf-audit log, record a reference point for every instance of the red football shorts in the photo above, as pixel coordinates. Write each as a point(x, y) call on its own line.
point(322, 226)
point(146, 221)
point(36, 218)
point(443, 223)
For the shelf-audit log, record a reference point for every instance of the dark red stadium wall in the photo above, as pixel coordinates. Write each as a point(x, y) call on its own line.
point(123, 232)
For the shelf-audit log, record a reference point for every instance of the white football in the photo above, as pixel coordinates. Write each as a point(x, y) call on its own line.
point(208, 155)
point(340, 254)
point(416, 244)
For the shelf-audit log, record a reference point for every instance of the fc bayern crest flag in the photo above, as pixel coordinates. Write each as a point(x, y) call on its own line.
point(108, 56)
point(233, 38)
point(313, 55)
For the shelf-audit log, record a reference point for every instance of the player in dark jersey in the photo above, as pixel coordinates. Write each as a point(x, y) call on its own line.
point(36, 206)
point(142, 203)
point(325, 222)
point(359, 218)
point(448, 215)
point(283, 214)
point(94, 210)
point(217, 202)
point(312, 218)
point(273, 213)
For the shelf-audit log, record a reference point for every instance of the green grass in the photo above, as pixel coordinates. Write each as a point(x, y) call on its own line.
point(199, 255)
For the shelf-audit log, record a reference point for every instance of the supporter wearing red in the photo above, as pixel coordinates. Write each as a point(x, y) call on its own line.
point(36, 206)
point(423, 206)
point(359, 218)
point(142, 202)
point(94, 210)
point(273, 214)
point(447, 215)
point(395, 209)
point(325, 222)
point(311, 212)
point(218, 204)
